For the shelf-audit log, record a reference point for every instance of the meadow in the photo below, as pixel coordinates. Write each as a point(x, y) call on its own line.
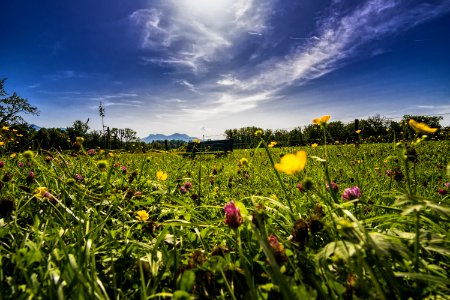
point(337, 221)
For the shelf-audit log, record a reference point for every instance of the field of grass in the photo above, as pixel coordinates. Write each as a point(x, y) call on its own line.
point(112, 225)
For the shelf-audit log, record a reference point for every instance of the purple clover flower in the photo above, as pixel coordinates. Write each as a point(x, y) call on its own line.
point(232, 215)
point(183, 190)
point(78, 177)
point(20, 164)
point(91, 152)
point(188, 185)
point(442, 192)
point(124, 169)
point(2, 164)
point(447, 185)
point(351, 193)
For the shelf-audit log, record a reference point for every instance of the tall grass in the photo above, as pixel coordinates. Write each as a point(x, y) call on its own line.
point(81, 237)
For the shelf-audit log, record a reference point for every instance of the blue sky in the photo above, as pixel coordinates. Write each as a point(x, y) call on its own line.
point(202, 66)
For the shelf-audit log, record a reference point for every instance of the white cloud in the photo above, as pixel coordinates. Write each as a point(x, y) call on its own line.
point(340, 37)
point(194, 33)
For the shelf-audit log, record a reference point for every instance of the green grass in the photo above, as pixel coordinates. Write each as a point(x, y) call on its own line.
point(83, 240)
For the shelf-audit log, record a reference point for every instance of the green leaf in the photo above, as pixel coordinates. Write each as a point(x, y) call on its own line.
point(187, 280)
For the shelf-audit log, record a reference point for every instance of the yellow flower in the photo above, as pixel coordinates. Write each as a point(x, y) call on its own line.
point(142, 215)
point(292, 163)
point(13, 155)
point(80, 139)
point(160, 175)
point(358, 131)
point(110, 154)
point(421, 127)
point(315, 145)
point(273, 197)
point(197, 141)
point(272, 144)
point(5, 128)
point(40, 192)
point(322, 120)
point(258, 133)
point(243, 162)
point(2, 143)
point(14, 130)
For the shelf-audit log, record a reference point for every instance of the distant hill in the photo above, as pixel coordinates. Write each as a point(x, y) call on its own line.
point(35, 127)
point(161, 137)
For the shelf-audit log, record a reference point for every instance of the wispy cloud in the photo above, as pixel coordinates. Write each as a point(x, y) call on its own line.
point(196, 33)
point(340, 36)
point(192, 36)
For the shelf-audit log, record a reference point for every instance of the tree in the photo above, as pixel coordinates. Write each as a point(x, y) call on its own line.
point(11, 107)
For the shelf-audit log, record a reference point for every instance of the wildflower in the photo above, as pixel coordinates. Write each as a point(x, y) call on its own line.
point(78, 177)
point(358, 131)
point(30, 177)
point(124, 169)
point(2, 143)
point(79, 139)
point(137, 194)
point(2, 163)
point(322, 120)
point(48, 158)
point(243, 162)
point(292, 163)
point(277, 249)
point(102, 165)
point(351, 193)
point(334, 187)
point(142, 215)
point(20, 164)
point(421, 127)
point(232, 215)
point(110, 154)
point(314, 146)
point(91, 152)
point(160, 175)
point(197, 141)
point(40, 192)
point(442, 192)
point(5, 128)
point(183, 190)
point(447, 185)
point(13, 155)
point(187, 185)
point(272, 144)
point(28, 154)
point(273, 197)
point(258, 133)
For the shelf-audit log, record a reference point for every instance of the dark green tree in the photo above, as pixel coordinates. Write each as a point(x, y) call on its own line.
point(11, 107)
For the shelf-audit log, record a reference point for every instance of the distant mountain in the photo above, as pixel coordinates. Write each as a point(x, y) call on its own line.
point(161, 137)
point(35, 127)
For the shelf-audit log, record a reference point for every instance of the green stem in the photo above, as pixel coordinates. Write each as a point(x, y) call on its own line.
point(279, 179)
point(416, 244)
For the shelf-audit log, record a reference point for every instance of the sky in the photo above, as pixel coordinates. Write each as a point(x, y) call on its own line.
point(200, 67)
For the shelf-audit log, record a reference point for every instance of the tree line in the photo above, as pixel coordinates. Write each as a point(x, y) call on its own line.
point(17, 135)
point(375, 129)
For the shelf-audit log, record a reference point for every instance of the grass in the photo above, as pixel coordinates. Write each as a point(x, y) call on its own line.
point(81, 238)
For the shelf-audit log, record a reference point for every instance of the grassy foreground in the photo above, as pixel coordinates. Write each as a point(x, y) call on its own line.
point(367, 222)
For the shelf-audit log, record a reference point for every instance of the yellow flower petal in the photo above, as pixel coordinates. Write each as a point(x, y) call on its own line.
point(322, 120)
point(292, 163)
point(142, 215)
point(421, 127)
point(160, 175)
